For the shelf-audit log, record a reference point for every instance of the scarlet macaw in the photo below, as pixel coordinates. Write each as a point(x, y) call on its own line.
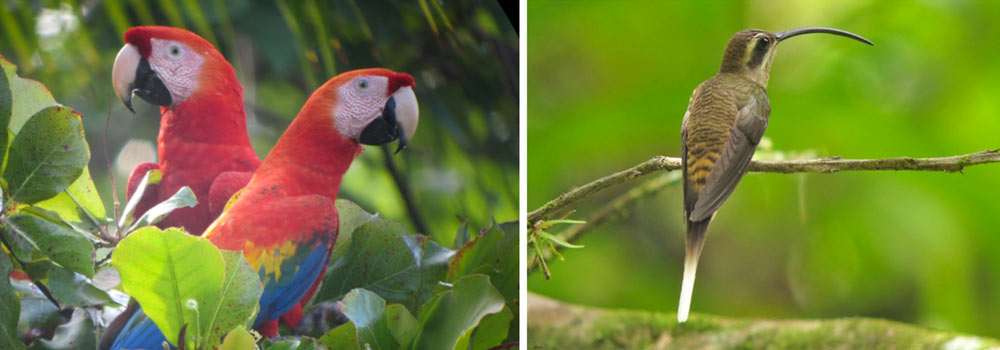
point(285, 221)
point(203, 141)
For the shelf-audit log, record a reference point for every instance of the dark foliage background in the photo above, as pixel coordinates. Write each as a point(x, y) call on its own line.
point(463, 55)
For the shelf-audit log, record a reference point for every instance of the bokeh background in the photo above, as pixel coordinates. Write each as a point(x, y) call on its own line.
point(461, 165)
point(608, 84)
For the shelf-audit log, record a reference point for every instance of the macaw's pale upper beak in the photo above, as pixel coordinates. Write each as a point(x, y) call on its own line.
point(398, 121)
point(132, 74)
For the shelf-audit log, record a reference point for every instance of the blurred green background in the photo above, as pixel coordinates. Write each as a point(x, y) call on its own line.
point(608, 84)
point(462, 162)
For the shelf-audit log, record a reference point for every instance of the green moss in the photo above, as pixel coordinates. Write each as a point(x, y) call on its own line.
point(583, 328)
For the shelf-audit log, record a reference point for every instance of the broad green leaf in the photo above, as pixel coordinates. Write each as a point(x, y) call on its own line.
point(28, 96)
point(351, 216)
point(150, 177)
point(494, 253)
point(173, 276)
point(402, 324)
point(238, 339)
point(78, 333)
point(184, 198)
point(38, 314)
point(80, 196)
point(383, 259)
point(303, 343)
point(449, 315)
point(366, 310)
point(19, 99)
point(491, 332)
point(72, 289)
point(238, 300)
point(58, 242)
point(10, 308)
point(344, 337)
point(47, 155)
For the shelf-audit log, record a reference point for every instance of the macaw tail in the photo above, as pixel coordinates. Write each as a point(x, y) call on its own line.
point(695, 241)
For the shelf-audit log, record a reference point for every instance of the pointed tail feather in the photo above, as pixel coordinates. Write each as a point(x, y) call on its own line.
point(693, 244)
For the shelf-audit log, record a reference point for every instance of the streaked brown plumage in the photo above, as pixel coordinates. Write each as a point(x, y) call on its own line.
point(725, 119)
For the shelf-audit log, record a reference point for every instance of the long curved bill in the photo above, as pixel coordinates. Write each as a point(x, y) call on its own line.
point(809, 30)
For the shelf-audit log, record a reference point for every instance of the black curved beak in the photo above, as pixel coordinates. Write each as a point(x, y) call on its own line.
point(148, 86)
point(808, 30)
point(385, 128)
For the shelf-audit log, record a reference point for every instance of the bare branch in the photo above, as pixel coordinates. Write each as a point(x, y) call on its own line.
point(821, 166)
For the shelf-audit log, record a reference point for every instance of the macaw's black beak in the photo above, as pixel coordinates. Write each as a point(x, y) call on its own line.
point(149, 87)
point(131, 74)
point(385, 128)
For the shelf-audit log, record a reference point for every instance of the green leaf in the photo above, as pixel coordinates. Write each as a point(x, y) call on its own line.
point(184, 198)
point(351, 216)
point(58, 242)
point(344, 337)
point(491, 332)
point(78, 203)
point(38, 314)
point(402, 324)
point(47, 155)
point(303, 343)
point(367, 311)
point(173, 276)
point(19, 99)
point(78, 333)
point(381, 258)
point(494, 253)
point(72, 289)
point(28, 96)
point(449, 315)
point(552, 238)
point(6, 101)
point(238, 339)
point(238, 300)
point(10, 308)
point(150, 177)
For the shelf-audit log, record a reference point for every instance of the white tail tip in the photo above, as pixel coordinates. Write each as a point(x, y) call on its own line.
point(687, 287)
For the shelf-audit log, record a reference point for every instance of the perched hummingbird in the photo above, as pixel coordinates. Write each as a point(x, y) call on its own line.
point(725, 119)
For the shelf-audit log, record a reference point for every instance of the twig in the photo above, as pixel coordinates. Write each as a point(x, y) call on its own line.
point(404, 191)
point(114, 190)
point(614, 209)
point(822, 166)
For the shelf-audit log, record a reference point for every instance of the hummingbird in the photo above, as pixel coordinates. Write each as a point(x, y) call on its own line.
point(725, 119)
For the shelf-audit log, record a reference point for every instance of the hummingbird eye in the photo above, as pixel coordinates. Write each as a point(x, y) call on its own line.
point(765, 41)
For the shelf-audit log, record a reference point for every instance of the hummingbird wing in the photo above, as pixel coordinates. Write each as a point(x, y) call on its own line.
point(748, 128)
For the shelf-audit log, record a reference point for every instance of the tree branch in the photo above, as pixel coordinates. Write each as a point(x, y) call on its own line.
point(822, 166)
point(555, 325)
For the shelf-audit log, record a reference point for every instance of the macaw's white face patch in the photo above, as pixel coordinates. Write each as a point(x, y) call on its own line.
point(177, 65)
point(359, 102)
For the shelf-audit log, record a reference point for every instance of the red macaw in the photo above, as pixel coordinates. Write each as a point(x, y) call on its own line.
point(285, 221)
point(203, 141)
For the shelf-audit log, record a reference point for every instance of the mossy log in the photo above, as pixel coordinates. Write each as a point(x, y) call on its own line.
point(555, 325)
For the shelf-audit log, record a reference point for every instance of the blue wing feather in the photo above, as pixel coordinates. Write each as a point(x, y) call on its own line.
point(281, 296)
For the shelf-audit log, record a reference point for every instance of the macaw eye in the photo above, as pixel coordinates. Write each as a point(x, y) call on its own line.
point(362, 84)
point(175, 51)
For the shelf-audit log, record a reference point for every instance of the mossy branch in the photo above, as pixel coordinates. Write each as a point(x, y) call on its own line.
point(555, 325)
point(821, 166)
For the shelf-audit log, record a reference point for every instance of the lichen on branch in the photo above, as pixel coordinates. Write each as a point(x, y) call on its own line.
point(556, 325)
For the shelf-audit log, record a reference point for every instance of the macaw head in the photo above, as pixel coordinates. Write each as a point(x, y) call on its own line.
point(373, 106)
point(166, 65)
